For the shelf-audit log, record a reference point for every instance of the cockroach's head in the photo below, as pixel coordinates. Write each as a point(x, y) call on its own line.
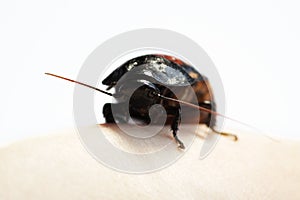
point(141, 90)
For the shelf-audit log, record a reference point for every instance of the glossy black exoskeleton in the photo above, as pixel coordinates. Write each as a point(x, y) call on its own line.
point(155, 72)
point(157, 78)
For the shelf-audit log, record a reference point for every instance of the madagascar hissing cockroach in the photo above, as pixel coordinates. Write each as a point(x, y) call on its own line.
point(158, 73)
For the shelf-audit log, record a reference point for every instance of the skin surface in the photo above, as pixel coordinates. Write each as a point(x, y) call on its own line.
point(58, 167)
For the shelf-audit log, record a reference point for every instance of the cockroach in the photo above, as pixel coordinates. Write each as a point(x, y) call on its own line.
point(157, 74)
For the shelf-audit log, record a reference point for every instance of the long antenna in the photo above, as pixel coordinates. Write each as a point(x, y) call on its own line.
point(214, 113)
point(167, 98)
point(107, 93)
point(203, 109)
point(161, 96)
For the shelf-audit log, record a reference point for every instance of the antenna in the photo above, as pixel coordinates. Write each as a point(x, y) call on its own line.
point(214, 113)
point(86, 85)
point(202, 109)
point(159, 95)
point(170, 99)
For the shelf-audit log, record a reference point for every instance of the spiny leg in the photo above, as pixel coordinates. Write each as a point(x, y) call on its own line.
point(212, 120)
point(234, 137)
point(174, 127)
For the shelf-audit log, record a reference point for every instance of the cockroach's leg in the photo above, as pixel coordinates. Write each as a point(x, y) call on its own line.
point(119, 113)
point(234, 137)
point(107, 113)
point(174, 128)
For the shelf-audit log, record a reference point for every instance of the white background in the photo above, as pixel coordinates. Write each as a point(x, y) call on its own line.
point(254, 45)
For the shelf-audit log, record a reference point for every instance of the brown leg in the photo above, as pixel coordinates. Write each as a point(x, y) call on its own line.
point(234, 137)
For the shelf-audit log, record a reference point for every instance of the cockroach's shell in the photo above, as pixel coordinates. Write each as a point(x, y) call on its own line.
point(170, 71)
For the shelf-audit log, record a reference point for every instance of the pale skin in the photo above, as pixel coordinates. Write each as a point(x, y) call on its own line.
point(57, 166)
